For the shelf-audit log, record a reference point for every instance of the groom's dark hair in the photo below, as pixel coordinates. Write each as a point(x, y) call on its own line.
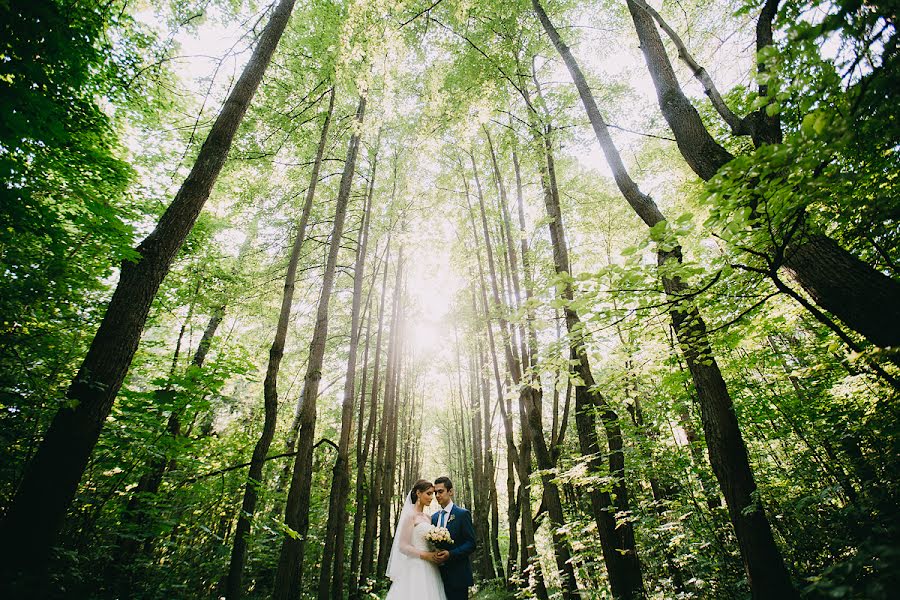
point(446, 481)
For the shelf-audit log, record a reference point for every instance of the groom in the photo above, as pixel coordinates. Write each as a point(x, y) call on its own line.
point(456, 569)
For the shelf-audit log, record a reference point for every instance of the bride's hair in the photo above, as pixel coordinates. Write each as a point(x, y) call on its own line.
point(420, 486)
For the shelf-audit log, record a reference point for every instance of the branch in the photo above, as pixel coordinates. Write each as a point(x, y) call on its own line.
point(649, 135)
point(420, 13)
point(733, 121)
point(743, 313)
point(522, 93)
point(247, 464)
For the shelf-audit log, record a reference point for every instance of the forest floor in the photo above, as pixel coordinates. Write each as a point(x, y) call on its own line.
point(487, 592)
point(492, 592)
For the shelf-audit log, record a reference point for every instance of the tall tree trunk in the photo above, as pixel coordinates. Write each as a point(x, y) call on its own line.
point(290, 562)
point(479, 479)
point(520, 504)
point(234, 582)
point(616, 539)
point(491, 553)
point(389, 426)
point(495, 537)
point(763, 563)
point(333, 552)
point(711, 493)
point(530, 399)
point(38, 509)
point(363, 442)
point(864, 298)
point(766, 572)
point(511, 362)
point(465, 438)
point(207, 419)
point(373, 498)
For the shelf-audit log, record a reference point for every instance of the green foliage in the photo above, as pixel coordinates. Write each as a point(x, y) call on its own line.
point(65, 215)
point(822, 433)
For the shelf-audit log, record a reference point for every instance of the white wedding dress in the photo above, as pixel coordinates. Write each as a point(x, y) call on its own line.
point(416, 579)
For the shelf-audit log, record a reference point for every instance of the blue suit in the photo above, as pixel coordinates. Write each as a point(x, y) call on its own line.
point(457, 571)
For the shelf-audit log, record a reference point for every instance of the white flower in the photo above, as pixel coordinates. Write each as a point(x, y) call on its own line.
point(438, 535)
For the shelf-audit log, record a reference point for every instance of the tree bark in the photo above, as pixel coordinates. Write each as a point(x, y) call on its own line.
point(514, 367)
point(290, 563)
point(864, 298)
point(530, 400)
point(373, 497)
point(766, 572)
point(482, 557)
point(50, 481)
point(234, 582)
point(704, 155)
point(333, 552)
point(362, 446)
point(763, 563)
point(389, 426)
point(616, 539)
point(511, 362)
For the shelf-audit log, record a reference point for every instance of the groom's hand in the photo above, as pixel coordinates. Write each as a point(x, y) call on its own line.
point(442, 557)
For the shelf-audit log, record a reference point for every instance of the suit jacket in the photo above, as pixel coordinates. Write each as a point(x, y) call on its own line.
point(457, 571)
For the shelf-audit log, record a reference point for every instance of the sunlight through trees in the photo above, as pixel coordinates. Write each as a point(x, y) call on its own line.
point(625, 271)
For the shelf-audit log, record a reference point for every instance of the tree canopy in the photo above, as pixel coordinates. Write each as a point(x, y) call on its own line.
point(627, 272)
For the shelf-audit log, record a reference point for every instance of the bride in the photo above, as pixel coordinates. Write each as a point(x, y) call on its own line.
point(413, 566)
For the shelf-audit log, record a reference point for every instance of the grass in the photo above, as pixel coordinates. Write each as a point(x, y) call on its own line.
point(492, 591)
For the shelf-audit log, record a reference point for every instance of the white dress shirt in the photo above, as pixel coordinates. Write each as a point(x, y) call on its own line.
point(444, 514)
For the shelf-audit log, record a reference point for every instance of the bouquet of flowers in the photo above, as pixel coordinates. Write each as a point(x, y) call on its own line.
point(439, 538)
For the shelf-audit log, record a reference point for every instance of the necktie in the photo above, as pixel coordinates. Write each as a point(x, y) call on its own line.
point(443, 518)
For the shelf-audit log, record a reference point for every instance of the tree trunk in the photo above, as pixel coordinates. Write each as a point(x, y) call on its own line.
point(234, 583)
point(867, 300)
point(290, 563)
point(362, 446)
point(388, 452)
point(767, 575)
point(529, 400)
point(765, 567)
point(511, 362)
point(340, 485)
point(616, 539)
point(864, 298)
point(703, 154)
point(489, 465)
point(38, 509)
point(482, 557)
point(520, 505)
point(373, 498)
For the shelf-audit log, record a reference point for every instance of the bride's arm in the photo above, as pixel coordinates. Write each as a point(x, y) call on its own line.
point(404, 535)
